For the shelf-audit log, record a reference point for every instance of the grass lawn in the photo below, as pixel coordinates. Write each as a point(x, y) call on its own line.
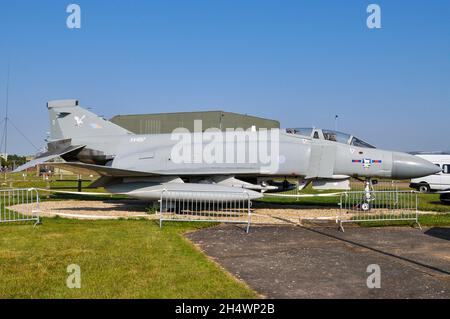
point(429, 220)
point(118, 259)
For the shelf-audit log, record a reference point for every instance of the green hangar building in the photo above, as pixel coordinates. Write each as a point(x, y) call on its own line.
point(160, 123)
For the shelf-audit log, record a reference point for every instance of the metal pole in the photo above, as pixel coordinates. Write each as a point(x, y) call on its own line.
point(6, 119)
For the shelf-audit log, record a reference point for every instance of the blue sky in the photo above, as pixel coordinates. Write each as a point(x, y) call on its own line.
point(300, 62)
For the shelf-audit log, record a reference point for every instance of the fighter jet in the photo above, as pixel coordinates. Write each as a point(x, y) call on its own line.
point(211, 160)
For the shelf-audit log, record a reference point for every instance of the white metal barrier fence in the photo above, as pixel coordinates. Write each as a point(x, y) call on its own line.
point(19, 205)
point(378, 206)
point(205, 206)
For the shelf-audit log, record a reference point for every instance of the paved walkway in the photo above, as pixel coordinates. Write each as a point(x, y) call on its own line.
point(297, 262)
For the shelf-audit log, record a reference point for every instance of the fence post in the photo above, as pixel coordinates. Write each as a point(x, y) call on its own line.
point(341, 212)
point(38, 210)
point(249, 212)
point(161, 203)
point(417, 210)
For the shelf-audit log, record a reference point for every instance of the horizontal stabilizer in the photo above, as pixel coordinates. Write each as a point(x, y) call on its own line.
point(48, 156)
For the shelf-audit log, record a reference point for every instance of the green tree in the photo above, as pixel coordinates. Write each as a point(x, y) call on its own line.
point(13, 160)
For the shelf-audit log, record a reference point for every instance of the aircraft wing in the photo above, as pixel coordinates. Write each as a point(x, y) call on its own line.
point(47, 157)
point(87, 169)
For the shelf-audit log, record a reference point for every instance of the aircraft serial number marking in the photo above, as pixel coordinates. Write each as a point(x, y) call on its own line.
point(137, 139)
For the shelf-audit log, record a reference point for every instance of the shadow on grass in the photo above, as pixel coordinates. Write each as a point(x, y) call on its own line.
point(124, 205)
point(439, 232)
point(85, 197)
point(30, 223)
point(440, 203)
point(114, 202)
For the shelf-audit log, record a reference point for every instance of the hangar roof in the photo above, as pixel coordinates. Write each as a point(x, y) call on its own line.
point(158, 123)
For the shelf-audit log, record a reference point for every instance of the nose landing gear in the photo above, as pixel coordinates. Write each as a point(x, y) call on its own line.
point(368, 197)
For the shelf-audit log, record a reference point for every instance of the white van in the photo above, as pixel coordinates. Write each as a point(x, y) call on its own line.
point(436, 182)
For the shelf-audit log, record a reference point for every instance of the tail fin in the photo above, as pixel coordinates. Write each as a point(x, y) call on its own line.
point(68, 120)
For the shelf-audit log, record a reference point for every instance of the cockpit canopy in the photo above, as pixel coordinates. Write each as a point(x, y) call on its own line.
point(330, 135)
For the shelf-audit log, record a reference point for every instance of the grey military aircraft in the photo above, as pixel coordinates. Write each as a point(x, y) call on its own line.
point(230, 162)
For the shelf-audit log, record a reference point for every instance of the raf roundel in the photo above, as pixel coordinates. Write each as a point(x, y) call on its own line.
point(366, 162)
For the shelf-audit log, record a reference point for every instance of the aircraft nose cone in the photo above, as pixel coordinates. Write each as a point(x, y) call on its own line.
point(406, 166)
